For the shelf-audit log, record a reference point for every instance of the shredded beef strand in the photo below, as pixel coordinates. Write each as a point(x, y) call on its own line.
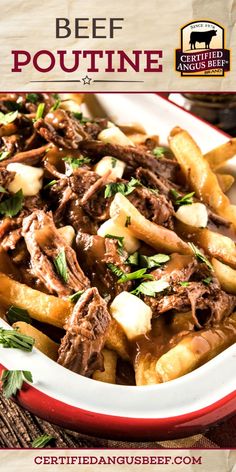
point(86, 329)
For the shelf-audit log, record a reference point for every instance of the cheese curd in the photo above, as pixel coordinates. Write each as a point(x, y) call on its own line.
point(116, 167)
point(132, 314)
point(27, 178)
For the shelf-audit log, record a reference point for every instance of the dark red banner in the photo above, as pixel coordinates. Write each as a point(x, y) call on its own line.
point(191, 62)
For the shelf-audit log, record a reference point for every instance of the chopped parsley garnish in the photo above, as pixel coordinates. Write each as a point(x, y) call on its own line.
point(119, 239)
point(40, 110)
point(133, 259)
point(151, 288)
point(12, 205)
point(56, 105)
point(4, 155)
point(12, 381)
point(128, 221)
point(121, 187)
point(75, 162)
point(61, 265)
point(42, 441)
point(184, 284)
point(159, 151)
point(198, 254)
point(32, 97)
point(207, 280)
point(147, 261)
point(138, 274)
point(76, 296)
point(118, 272)
point(153, 261)
point(50, 184)
point(79, 116)
point(56, 96)
point(18, 314)
point(2, 189)
point(11, 338)
point(113, 162)
point(182, 200)
point(8, 117)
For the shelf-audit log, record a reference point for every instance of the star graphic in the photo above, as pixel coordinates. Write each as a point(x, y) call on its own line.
point(86, 80)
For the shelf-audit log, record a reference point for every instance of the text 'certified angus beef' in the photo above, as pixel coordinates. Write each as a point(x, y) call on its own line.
point(117, 253)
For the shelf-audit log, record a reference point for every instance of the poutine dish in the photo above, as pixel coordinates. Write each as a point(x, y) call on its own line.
point(117, 254)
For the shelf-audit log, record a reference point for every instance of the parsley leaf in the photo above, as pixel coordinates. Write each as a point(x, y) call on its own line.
point(159, 151)
point(75, 162)
point(8, 117)
point(32, 97)
point(2, 189)
point(138, 274)
point(4, 155)
point(17, 314)
point(198, 254)
point(61, 265)
point(207, 280)
point(76, 296)
point(12, 205)
point(184, 284)
point(11, 338)
point(151, 288)
point(40, 110)
point(119, 239)
point(79, 116)
point(182, 200)
point(153, 261)
point(118, 272)
point(133, 259)
point(50, 184)
point(12, 381)
point(113, 162)
point(56, 105)
point(42, 441)
point(121, 187)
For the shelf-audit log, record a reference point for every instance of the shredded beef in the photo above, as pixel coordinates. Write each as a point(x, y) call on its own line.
point(6, 178)
point(95, 253)
point(209, 304)
point(154, 207)
point(86, 329)
point(132, 156)
point(45, 244)
point(61, 128)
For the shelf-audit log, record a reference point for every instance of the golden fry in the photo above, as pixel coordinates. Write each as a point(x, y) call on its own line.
point(195, 349)
point(218, 156)
point(218, 246)
point(109, 373)
point(117, 341)
point(199, 174)
point(42, 342)
point(162, 239)
point(145, 370)
point(226, 276)
point(226, 181)
point(42, 307)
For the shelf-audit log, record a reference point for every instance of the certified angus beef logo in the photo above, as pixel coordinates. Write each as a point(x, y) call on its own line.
point(202, 51)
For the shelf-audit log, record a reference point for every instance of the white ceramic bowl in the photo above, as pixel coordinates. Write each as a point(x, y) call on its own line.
point(174, 409)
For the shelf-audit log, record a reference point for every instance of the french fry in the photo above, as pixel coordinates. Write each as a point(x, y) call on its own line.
point(109, 373)
point(42, 307)
point(71, 101)
point(160, 238)
point(117, 341)
point(218, 156)
point(217, 245)
point(195, 349)
point(199, 174)
point(162, 333)
point(226, 276)
point(226, 181)
point(42, 342)
point(145, 370)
